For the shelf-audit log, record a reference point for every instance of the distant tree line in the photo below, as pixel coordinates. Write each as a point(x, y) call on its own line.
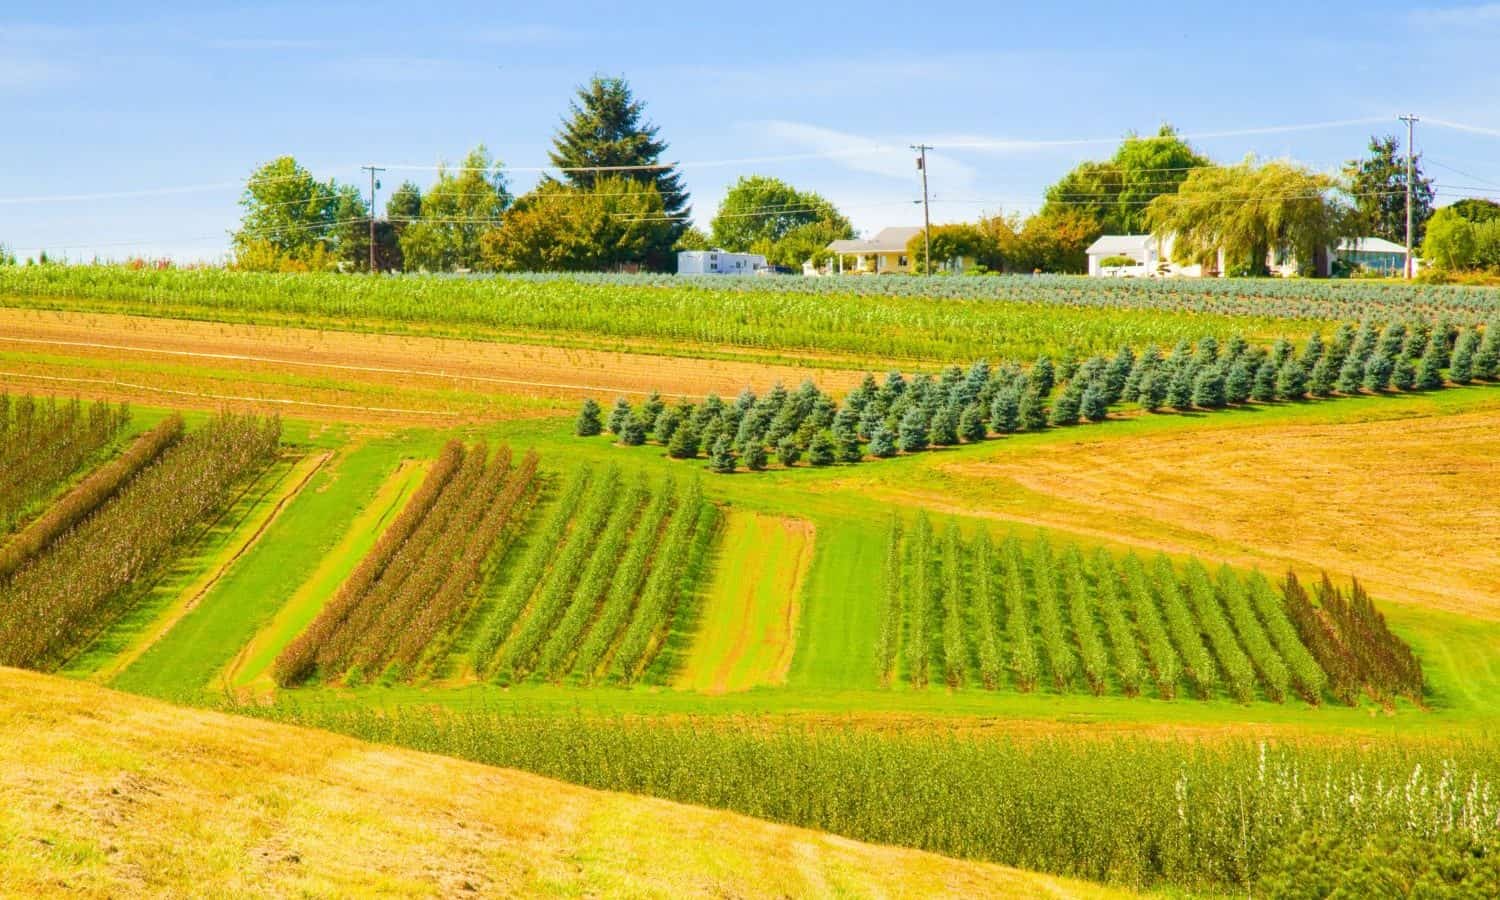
point(903, 415)
point(613, 205)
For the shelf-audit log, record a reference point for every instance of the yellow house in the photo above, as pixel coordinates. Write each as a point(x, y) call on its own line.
point(885, 252)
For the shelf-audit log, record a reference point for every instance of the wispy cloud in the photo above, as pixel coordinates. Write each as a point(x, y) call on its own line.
point(1458, 16)
point(891, 158)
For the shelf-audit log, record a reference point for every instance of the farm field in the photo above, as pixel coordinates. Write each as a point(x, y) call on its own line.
point(431, 556)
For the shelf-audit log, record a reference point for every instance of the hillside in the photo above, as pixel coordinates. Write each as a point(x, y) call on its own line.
point(113, 795)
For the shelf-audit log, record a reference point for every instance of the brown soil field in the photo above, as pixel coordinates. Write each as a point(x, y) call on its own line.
point(348, 376)
point(109, 795)
point(1407, 505)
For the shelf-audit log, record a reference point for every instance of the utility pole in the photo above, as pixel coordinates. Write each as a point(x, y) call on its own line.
point(373, 185)
point(926, 216)
point(1410, 119)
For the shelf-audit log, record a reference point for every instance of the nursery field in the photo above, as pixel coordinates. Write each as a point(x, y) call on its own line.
point(1186, 530)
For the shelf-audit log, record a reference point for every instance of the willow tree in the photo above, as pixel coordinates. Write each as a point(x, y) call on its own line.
point(1249, 210)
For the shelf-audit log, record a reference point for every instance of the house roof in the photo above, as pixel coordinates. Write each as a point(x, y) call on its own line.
point(1370, 245)
point(886, 240)
point(1120, 245)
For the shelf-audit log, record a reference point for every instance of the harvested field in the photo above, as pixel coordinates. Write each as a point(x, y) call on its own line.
point(329, 374)
point(1403, 504)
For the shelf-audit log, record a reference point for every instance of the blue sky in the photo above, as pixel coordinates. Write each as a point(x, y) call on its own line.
point(126, 127)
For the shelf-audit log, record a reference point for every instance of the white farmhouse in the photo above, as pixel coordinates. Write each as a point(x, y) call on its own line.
point(1150, 257)
point(719, 262)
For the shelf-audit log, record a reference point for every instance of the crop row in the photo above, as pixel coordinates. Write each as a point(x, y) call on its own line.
point(602, 584)
point(908, 415)
point(57, 601)
point(42, 442)
point(1225, 817)
point(416, 585)
point(986, 614)
point(87, 495)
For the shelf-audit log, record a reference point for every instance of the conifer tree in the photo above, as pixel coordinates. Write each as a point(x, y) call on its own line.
point(849, 447)
point(1352, 372)
point(913, 431)
point(1152, 390)
point(1043, 375)
point(721, 458)
point(1378, 371)
point(1487, 360)
point(1323, 374)
point(1392, 339)
point(588, 424)
point(1005, 412)
point(755, 458)
point(1094, 405)
point(821, 451)
point(1032, 410)
point(1461, 367)
point(1180, 386)
point(1430, 370)
point(1291, 381)
point(1312, 351)
point(633, 432)
point(667, 424)
point(684, 442)
point(882, 442)
point(1403, 373)
point(618, 415)
point(1236, 348)
point(650, 410)
point(1208, 350)
point(788, 451)
point(1263, 388)
point(1208, 388)
point(1418, 336)
point(1281, 351)
point(944, 429)
point(1065, 409)
point(1117, 373)
point(605, 134)
point(1240, 381)
point(971, 425)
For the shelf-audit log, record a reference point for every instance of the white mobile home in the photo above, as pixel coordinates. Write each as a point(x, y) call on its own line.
point(718, 262)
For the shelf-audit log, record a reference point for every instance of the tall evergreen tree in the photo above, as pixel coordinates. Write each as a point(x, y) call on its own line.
point(1263, 389)
point(1094, 404)
point(1005, 412)
point(618, 415)
point(913, 431)
point(1378, 185)
point(607, 129)
point(721, 457)
point(822, 450)
point(1378, 371)
point(1208, 388)
point(1430, 370)
point(1033, 410)
point(1239, 384)
point(882, 442)
point(1291, 381)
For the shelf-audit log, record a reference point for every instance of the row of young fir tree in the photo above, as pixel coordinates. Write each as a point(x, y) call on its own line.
point(907, 415)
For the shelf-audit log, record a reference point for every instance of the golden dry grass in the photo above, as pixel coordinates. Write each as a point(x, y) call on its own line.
point(1407, 504)
point(107, 794)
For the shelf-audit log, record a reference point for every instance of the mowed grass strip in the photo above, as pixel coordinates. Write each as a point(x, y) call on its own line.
point(187, 659)
point(251, 667)
point(747, 632)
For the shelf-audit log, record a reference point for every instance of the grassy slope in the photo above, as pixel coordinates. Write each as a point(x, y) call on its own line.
point(111, 795)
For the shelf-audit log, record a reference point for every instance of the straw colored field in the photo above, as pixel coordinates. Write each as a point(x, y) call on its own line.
point(1404, 504)
point(747, 631)
point(112, 795)
point(346, 376)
